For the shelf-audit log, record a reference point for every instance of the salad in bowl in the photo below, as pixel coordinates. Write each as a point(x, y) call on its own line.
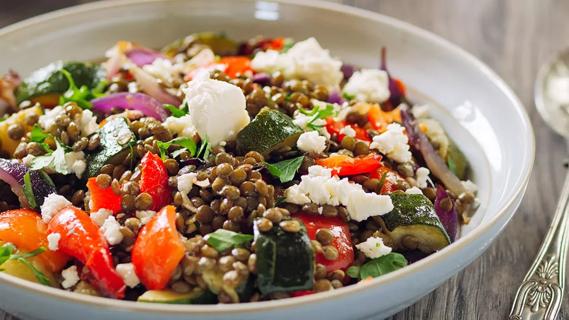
point(218, 171)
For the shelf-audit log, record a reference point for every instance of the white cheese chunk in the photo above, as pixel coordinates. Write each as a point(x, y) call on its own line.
point(47, 120)
point(373, 247)
point(413, 190)
point(306, 60)
point(393, 143)
point(52, 204)
point(348, 131)
point(70, 277)
point(88, 123)
point(320, 187)
point(186, 182)
point(217, 109)
point(182, 126)
point(422, 176)
point(100, 216)
point(369, 85)
point(53, 241)
point(127, 273)
point(311, 142)
point(76, 163)
point(111, 230)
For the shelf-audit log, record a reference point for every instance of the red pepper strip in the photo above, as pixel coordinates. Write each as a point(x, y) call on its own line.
point(103, 198)
point(343, 165)
point(81, 239)
point(154, 181)
point(274, 44)
point(25, 229)
point(235, 65)
point(301, 293)
point(342, 239)
point(158, 250)
point(334, 128)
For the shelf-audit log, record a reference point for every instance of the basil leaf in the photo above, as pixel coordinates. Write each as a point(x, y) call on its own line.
point(286, 169)
point(29, 191)
point(175, 111)
point(222, 239)
point(382, 265)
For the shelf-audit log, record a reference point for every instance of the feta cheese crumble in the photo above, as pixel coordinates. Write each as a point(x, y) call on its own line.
point(100, 216)
point(369, 85)
point(413, 190)
point(217, 108)
point(306, 60)
point(111, 231)
point(88, 123)
point(311, 142)
point(127, 273)
point(186, 182)
point(320, 187)
point(348, 131)
point(181, 126)
point(70, 277)
point(47, 120)
point(53, 241)
point(393, 143)
point(373, 247)
point(52, 204)
point(422, 176)
point(75, 162)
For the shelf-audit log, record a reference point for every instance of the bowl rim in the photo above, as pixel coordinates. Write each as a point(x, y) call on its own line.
point(252, 307)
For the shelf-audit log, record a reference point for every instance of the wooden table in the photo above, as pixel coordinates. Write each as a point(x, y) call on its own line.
point(514, 37)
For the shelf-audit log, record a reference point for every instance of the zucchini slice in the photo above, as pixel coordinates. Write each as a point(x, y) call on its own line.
point(285, 260)
point(413, 224)
point(270, 131)
point(116, 140)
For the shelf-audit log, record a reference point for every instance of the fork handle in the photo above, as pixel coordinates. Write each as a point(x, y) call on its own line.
point(541, 293)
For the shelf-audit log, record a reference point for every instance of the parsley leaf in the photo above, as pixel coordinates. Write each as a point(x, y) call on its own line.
point(204, 151)
point(75, 94)
point(222, 239)
point(177, 112)
point(317, 113)
point(55, 161)
point(185, 143)
point(29, 191)
point(378, 266)
point(286, 169)
point(348, 96)
point(8, 252)
point(37, 135)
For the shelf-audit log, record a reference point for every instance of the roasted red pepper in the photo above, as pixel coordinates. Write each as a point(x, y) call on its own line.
point(382, 173)
point(235, 65)
point(379, 119)
point(103, 198)
point(25, 229)
point(342, 239)
point(334, 128)
point(82, 239)
point(301, 293)
point(158, 250)
point(343, 165)
point(154, 181)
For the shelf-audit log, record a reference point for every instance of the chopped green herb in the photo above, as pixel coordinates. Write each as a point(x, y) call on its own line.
point(185, 143)
point(47, 178)
point(29, 192)
point(288, 43)
point(204, 151)
point(317, 113)
point(348, 96)
point(378, 266)
point(222, 239)
point(39, 136)
point(99, 90)
point(285, 170)
point(55, 161)
point(74, 94)
point(382, 181)
point(177, 112)
point(8, 252)
point(3, 118)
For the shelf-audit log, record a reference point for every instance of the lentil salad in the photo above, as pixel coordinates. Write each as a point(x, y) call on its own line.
point(217, 171)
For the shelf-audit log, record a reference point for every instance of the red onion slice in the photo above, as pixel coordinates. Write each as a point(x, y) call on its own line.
point(143, 56)
point(12, 172)
point(131, 101)
point(149, 85)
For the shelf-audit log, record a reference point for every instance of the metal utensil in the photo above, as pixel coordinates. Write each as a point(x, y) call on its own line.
point(541, 293)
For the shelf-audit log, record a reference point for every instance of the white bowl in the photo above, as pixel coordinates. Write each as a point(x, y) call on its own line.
point(493, 130)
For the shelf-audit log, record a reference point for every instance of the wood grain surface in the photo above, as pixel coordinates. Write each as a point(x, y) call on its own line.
point(514, 37)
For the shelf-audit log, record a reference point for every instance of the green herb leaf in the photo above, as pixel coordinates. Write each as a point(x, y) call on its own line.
point(354, 272)
point(55, 161)
point(47, 178)
point(3, 118)
point(348, 96)
point(318, 113)
point(185, 143)
point(222, 239)
point(29, 191)
point(285, 170)
point(175, 111)
point(75, 94)
point(382, 265)
point(99, 90)
point(204, 151)
point(37, 134)
point(8, 252)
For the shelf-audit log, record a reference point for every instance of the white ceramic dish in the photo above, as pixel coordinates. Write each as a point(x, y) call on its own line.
point(493, 130)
